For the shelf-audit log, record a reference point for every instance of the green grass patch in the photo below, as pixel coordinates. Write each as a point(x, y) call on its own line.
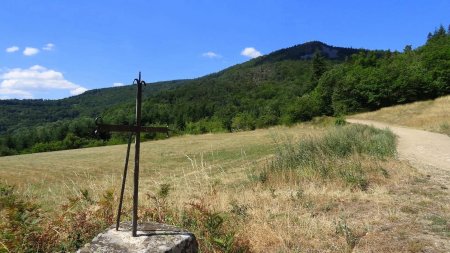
point(332, 155)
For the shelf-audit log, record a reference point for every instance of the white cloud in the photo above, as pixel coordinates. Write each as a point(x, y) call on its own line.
point(211, 55)
point(78, 91)
point(30, 51)
point(5, 92)
point(251, 52)
point(12, 49)
point(21, 83)
point(118, 84)
point(49, 47)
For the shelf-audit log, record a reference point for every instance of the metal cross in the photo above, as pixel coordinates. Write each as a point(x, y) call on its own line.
point(136, 130)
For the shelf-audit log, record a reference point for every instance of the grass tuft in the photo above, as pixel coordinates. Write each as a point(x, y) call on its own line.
point(334, 155)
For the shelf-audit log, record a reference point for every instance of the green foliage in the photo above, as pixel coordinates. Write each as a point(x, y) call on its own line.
point(243, 121)
point(340, 121)
point(213, 125)
point(371, 80)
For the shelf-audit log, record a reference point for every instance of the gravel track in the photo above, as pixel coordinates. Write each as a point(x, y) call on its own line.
point(428, 152)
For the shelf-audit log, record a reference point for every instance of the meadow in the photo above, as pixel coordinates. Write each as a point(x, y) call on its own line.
point(309, 187)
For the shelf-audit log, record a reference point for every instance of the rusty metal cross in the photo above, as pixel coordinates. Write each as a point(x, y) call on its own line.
point(133, 130)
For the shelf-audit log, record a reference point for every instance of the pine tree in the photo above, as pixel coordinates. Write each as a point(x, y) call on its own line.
point(318, 65)
point(441, 31)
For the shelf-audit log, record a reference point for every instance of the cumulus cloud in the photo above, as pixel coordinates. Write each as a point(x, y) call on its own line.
point(78, 91)
point(6, 93)
point(251, 52)
point(29, 51)
point(211, 55)
point(49, 47)
point(12, 49)
point(118, 84)
point(21, 83)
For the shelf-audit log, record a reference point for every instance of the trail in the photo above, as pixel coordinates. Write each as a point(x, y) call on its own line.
point(428, 152)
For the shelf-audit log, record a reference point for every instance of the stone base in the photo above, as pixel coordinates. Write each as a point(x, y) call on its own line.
point(151, 237)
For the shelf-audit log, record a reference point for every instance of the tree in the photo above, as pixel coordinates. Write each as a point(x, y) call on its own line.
point(407, 49)
point(319, 66)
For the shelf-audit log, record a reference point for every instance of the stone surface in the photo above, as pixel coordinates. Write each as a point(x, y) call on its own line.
point(152, 237)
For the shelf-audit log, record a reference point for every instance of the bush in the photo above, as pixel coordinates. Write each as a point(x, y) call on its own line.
point(340, 121)
point(243, 121)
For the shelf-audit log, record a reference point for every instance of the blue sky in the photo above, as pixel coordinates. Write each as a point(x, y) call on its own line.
point(53, 49)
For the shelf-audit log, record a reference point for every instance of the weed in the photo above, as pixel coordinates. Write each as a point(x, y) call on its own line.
point(160, 213)
point(164, 190)
point(439, 224)
point(354, 176)
point(272, 193)
point(409, 209)
point(239, 210)
point(343, 229)
point(384, 172)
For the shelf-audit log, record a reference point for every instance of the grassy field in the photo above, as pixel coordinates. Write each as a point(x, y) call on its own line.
point(55, 175)
point(284, 189)
point(432, 115)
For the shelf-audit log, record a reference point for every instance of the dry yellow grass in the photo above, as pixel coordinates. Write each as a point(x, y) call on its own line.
point(432, 115)
point(282, 214)
point(53, 176)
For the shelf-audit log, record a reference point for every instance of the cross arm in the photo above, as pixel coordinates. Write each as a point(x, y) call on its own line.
point(127, 128)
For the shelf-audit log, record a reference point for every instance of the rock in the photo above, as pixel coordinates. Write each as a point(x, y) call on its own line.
point(151, 238)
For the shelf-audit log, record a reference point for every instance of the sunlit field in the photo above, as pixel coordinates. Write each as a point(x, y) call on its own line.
point(312, 186)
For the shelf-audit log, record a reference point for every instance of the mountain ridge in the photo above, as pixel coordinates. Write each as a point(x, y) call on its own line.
point(94, 102)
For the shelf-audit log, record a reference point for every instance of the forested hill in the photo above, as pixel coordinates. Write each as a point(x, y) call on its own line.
point(286, 86)
point(257, 93)
point(16, 114)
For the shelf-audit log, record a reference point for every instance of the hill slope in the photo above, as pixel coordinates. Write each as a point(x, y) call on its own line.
point(28, 113)
point(15, 113)
point(286, 86)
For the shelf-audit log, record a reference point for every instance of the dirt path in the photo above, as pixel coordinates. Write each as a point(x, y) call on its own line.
point(428, 152)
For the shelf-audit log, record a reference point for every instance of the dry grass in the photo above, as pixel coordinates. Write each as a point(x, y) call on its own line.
point(400, 211)
point(55, 175)
point(432, 115)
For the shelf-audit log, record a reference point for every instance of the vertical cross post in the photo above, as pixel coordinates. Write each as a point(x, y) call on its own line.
point(103, 129)
point(136, 153)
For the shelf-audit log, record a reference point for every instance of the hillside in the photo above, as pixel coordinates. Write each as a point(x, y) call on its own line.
point(268, 78)
point(31, 112)
point(15, 113)
point(287, 86)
